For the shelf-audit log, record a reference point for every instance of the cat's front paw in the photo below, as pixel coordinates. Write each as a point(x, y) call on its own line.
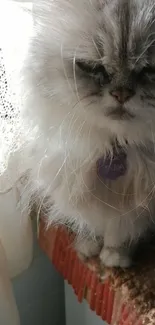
point(87, 249)
point(112, 257)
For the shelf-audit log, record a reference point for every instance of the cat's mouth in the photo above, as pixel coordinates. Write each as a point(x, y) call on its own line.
point(120, 113)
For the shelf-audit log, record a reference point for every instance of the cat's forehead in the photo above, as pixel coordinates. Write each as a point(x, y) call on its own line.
point(127, 31)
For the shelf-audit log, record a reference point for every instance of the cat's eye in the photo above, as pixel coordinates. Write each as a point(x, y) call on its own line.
point(148, 70)
point(94, 70)
point(147, 74)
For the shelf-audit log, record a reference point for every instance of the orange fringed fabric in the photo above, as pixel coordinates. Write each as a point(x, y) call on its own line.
point(108, 302)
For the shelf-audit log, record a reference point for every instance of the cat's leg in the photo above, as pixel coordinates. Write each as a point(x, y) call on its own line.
point(115, 257)
point(121, 236)
point(99, 220)
point(82, 212)
point(101, 223)
point(112, 249)
point(84, 208)
point(118, 245)
point(87, 247)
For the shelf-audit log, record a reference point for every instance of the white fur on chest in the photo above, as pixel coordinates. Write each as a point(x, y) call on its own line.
point(74, 194)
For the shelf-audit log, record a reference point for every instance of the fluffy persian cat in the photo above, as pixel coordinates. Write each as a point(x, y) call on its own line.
point(89, 82)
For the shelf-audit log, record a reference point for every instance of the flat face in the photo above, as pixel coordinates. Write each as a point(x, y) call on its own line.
point(99, 57)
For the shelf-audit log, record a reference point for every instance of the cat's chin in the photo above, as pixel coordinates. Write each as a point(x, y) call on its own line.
point(120, 114)
point(126, 130)
point(113, 121)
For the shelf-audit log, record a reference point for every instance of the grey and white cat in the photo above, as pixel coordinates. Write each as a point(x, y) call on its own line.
point(89, 80)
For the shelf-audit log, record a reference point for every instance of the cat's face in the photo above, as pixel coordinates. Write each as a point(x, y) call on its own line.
point(107, 51)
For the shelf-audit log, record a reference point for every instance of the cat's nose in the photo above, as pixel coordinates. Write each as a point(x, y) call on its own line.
point(122, 94)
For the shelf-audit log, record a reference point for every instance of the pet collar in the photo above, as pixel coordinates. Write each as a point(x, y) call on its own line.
point(112, 167)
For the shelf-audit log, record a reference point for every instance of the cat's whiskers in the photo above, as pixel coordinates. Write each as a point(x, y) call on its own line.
point(74, 75)
point(145, 49)
point(65, 71)
point(145, 207)
point(139, 205)
point(97, 50)
point(153, 138)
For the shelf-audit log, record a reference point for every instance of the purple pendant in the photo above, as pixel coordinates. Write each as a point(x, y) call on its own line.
point(112, 168)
